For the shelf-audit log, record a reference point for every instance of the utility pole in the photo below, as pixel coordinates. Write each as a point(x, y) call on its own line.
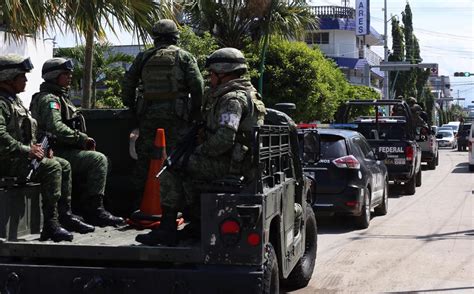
point(385, 57)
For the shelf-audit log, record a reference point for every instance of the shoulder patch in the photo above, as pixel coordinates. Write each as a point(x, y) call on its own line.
point(54, 105)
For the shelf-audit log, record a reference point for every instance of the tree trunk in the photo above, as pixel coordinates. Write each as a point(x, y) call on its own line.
point(88, 61)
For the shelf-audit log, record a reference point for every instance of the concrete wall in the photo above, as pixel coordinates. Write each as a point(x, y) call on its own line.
point(38, 50)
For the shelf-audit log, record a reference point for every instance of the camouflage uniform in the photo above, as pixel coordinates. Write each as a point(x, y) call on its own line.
point(57, 115)
point(17, 134)
point(172, 88)
point(231, 110)
point(417, 112)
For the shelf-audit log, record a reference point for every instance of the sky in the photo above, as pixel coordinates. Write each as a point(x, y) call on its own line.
point(445, 31)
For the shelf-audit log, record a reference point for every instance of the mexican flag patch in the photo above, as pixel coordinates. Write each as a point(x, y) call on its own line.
point(54, 105)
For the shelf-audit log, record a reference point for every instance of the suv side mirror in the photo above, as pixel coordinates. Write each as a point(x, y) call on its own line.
point(311, 147)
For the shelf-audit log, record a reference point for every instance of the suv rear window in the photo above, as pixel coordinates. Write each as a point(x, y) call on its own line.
point(385, 131)
point(332, 146)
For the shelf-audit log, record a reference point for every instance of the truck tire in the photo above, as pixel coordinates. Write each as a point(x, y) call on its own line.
point(410, 186)
point(303, 270)
point(432, 164)
point(271, 274)
point(382, 208)
point(363, 220)
point(418, 178)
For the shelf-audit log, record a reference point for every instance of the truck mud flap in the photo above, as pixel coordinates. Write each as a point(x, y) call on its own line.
point(21, 278)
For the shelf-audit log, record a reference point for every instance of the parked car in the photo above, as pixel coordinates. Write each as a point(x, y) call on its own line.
point(454, 127)
point(351, 179)
point(446, 138)
point(463, 136)
point(470, 147)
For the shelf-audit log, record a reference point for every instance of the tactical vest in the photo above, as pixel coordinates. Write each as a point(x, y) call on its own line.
point(252, 116)
point(71, 116)
point(162, 76)
point(21, 126)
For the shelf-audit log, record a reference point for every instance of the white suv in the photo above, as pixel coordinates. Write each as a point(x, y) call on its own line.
point(470, 151)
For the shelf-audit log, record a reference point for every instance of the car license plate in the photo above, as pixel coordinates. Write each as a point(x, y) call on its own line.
point(399, 161)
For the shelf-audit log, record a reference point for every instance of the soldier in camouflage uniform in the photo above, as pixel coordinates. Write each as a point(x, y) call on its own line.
point(419, 115)
point(18, 147)
point(232, 108)
point(57, 115)
point(172, 88)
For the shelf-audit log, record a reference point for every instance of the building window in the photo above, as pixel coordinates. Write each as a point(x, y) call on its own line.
point(317, 38)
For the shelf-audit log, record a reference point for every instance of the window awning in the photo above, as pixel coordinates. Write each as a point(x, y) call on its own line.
point(356, 63)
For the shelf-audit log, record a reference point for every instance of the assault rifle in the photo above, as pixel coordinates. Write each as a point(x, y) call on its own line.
point(35, 162)
point(183, 150)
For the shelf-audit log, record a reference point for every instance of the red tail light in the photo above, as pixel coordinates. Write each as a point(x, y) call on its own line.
point(348, 161)
point(230, 227)
point(409, 153)
point(230, 232)
point(253, 239)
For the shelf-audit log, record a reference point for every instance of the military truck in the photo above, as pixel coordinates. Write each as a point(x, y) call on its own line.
point(255, 234)
point(392, 133)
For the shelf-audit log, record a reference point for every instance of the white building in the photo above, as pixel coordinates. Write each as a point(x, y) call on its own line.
point(336, 37)
point(38, 50)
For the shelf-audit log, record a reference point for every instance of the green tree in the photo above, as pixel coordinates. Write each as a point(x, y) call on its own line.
point(90, 19)
point(301, 75)
point(398, 54)
point(200, 46)
point(107, 66)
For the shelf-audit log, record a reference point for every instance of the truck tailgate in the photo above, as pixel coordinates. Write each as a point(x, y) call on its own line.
point(396, 151)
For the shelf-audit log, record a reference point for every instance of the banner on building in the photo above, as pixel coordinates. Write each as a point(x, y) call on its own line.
point(362, 17)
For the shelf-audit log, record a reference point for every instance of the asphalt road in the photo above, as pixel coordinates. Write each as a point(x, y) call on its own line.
point(424, 244)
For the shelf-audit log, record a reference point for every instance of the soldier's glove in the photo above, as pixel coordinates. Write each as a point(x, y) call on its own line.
point(90, 144)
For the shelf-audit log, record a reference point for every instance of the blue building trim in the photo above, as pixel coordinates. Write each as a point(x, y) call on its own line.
point(355, 63)
point(344, 24)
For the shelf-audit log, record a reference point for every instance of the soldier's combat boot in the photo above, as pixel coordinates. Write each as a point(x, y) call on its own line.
point(69, 221)
point(165, 234)
point(95, 214)
point(51, 228)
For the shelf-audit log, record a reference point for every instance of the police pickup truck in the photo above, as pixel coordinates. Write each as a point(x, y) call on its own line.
point(255, 234)
point(392, 134)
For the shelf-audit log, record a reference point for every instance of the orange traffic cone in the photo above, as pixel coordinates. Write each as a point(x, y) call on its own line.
point(149, 214)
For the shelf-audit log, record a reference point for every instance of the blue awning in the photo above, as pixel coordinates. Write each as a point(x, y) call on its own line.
point(355, 63)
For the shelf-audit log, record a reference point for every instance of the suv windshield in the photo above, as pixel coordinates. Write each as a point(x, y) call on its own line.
point(332, 147)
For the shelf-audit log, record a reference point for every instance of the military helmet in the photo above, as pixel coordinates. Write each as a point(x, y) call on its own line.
point(53, 67)
point(164, 27)
point(226, 60)
point(411, 100)
point(12, 65)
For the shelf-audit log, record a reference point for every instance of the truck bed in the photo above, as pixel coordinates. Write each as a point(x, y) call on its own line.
point(105, 244)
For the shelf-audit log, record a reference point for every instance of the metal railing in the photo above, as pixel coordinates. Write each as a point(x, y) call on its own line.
point(333, 11)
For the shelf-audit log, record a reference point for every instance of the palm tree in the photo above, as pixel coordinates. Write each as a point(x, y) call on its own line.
point(105, 66)
point(87, 18)
point(232, 21)
point(90, 19)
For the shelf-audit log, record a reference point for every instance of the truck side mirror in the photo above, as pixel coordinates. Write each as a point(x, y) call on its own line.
point(312, 147)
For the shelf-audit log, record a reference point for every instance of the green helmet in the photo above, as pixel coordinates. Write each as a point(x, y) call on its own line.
point(12, 65)
point(226, 60)
point(53, 67)
point(411, 100)
point(164, 27)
